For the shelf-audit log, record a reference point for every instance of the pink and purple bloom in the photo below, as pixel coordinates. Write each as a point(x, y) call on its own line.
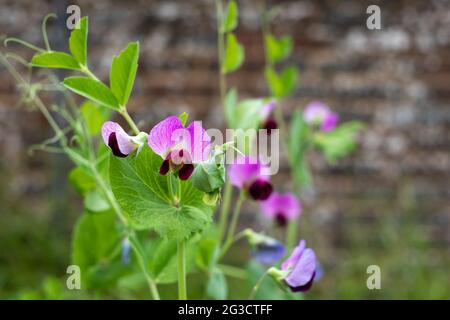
point(179, 147)
point(300, 268)
point(281, 207)
point(118, 140)
point(319, 114)
point(247, 173)
point(268, 122)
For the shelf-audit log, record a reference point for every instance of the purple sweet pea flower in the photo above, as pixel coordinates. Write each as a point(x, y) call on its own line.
point(281, 207)
point(179, 147)
point(267, 120)
point(117, 139)
point(265, 250)
point(301, 266)
point(247, 173)
point(318, 113)
point(269, 252)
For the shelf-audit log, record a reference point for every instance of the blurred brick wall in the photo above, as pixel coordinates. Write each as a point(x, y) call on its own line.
point(397, 80)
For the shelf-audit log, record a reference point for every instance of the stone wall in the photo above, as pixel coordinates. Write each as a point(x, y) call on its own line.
point(396, 80)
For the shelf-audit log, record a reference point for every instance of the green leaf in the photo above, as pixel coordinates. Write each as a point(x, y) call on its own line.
point(94, 116)
point(234, 55)
point(93, 90)
point(143, 193)
point(230, 18)
point(247, 114)
point(209, 176)
point(123, 72)
point(81, 180)
point(278, 49)
point(230, 106)
point(94, 239)
point(78, 41)
point(298, 144)
point(217, 287)
point(95, 202)
point(284, 84)
point(183, 118)
point(58, 60)
point(340, 142)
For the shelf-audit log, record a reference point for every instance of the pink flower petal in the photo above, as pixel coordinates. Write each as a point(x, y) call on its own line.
point(199, 145)
point(161, 138)
point(123, 139)
point(246, 170)
point(329, 122)
point(286, 205)
point(303, 270)
point(295, 256)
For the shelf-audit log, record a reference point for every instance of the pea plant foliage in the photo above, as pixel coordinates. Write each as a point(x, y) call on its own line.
point(162, 206)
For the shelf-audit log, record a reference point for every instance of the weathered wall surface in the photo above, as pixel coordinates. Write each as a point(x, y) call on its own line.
point(396, 80)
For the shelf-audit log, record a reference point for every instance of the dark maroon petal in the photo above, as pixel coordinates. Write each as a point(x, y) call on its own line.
point(260, 190)
point(281, 219)
point(165, 167)
point(186, 171)
point(305, 287)
point(114, 145)
point(270, 125)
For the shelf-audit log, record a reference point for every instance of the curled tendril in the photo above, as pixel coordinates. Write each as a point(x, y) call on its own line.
point(22, 42)
point(44, 29)
point(17, 58)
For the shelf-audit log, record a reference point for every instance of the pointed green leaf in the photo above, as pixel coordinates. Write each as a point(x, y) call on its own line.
point(230, 106)
point(78, 41)
point(58, 60)
point(230, 18)
point(93, 90)
point(339, 142)
point(183, 118)
point(217, 287)
point(143, 193)
point(94, 239)
point(278, 49)
point(284, 84)
point(94, 116)
point(234, 54)
point(123, 72)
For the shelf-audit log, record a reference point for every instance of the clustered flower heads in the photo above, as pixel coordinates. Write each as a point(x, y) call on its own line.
point(281, 207)
point(248, 173)
point(319, 114)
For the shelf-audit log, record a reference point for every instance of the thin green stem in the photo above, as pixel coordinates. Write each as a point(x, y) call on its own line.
point(291, 235)
point(130, 121)
point(182, 295)
point(233, 271)
point(257, 286)
point(24, 43)
point(225, 209)
point(170, 186)
point(228, 244)
point(233, 223)
point(137, 248)
point(221, 50)
point(44, 30)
